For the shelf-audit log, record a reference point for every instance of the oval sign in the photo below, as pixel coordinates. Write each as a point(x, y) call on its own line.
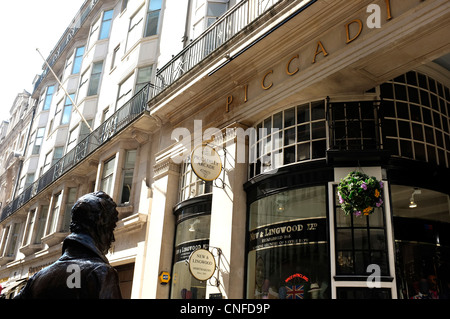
point(206, 163)
point(202, 264)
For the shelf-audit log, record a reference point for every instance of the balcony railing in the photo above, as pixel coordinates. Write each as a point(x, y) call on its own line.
point(118, 121)
point(226, 27)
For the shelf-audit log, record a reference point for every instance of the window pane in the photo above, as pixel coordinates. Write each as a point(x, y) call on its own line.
point(96, 75)
point(422, 241)
point(317, 110)
point(127, 179)
point(289, 136)
point(57, 154)
point(67, 112)
point(144, 76)
point(155, 5)
point(298, 260)
point(303, 152)
point(106, 24)
point(190, 234)
point(303, 113)
point(152, 23)
point(71, 198)
point(48, 97)
point(77, 61)
point(289, 117)
point(303, 133)
point(277, 120)
point(41, 224)
point(216, 9)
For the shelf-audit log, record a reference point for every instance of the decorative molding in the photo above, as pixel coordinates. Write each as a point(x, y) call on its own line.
point(166, 166)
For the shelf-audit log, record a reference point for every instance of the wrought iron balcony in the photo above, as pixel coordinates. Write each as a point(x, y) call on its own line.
point(221, 31)
point(111, 127)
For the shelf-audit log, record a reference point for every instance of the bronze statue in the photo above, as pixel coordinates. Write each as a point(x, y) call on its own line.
point(82, 272)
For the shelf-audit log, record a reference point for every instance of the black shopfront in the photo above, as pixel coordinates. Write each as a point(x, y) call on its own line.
point(299, 243)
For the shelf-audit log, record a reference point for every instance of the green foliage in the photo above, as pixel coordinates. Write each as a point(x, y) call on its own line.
point(360, 194)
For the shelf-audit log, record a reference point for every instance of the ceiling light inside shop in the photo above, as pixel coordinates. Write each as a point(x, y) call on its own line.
point(192, 228)
point(412, 202)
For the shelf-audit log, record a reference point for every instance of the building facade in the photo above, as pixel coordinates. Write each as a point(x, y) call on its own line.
point(288, 97)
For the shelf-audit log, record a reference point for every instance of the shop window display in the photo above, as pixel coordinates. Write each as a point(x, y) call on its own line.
point(288, 250)
point(422, 242)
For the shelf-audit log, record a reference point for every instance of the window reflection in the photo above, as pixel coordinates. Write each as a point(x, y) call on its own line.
point(192, 233)
point(288, 250)
point(422, 237)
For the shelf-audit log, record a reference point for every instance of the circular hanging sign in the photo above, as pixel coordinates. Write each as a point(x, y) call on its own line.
point(206, 163)
point(202, 264)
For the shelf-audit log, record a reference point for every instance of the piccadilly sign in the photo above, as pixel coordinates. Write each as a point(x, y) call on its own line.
point(202, 264)
point(206, 163)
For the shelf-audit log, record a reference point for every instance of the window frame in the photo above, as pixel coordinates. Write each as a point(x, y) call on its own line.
point(39, 139)
point(78, 60)
point(107, 178)
point(128, 167)
point(48, 98)
point(364, 226)
point(148, 32)
point(106, 23)
point(95, 79)
point(67, 110)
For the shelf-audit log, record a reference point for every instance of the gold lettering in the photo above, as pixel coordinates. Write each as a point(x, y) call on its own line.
point(347, 29)
point(245, 93)
point(388, 8)
point(289, 64)
point(263, 82)
point(229, 101)
point(320, 48)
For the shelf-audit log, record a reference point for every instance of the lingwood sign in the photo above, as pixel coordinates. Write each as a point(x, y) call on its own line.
point(202, 264)
point(296, 232)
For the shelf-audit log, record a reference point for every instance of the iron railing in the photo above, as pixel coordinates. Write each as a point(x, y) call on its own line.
point(226, 27)
point(108, 129)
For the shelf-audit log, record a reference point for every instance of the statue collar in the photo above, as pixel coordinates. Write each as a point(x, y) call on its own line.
point(86, 241)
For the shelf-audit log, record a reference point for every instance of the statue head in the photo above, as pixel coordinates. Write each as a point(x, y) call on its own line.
point(95, 214)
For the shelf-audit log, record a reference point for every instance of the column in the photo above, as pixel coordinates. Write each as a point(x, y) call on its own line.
point(160, 229)
point(228, 222)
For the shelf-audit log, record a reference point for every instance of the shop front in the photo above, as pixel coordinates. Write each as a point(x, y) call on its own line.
point(301, 245)
point(288, 248)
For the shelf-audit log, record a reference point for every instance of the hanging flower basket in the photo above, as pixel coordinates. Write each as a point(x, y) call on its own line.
point(360, 194)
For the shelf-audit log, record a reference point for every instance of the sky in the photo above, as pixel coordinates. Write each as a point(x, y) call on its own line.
point(26, 25)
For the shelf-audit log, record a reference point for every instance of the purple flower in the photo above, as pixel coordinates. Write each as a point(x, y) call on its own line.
point(381, 185)
point(341, 200)
point(379, 203)
point(358, 213)
point(364, 186)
